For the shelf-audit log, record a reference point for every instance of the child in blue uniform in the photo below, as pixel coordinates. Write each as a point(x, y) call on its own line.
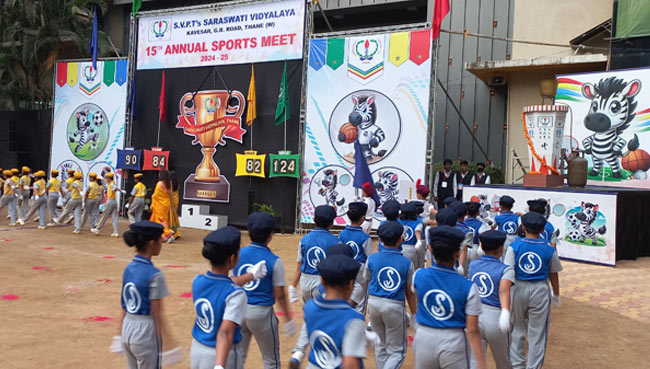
point(507, 221)
point(391, 210)
point(550, 234)
point(474, 222)
point(359, 241)
point(467, 253)
point(448, 308)
point(143, 288)
point(535, 263)
point(412, 240)
point(220, 305)
point(312, 250)
point(493, 279)
point(260, 320)
point(390, 275)
point(336, 332)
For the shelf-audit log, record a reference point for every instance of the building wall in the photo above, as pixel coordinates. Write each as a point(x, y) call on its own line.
point(554, 21)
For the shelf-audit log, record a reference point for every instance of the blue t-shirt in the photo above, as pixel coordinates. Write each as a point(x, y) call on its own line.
point(356, 238)
point(532, 258)
point(475, 225)
point(410, 226)
point(389, 273)
point(486, 273)
point(547, 235)
point(136, 280)
point(259, 292)
point(507, 222)
point(313, 249)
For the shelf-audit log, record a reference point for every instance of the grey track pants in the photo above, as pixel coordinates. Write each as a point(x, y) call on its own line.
point(261, 323)
point(110, 210)
point(531, 311)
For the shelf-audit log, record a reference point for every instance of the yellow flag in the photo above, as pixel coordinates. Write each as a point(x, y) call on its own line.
point(73, 69)
point(251, 99)
point(398, 50)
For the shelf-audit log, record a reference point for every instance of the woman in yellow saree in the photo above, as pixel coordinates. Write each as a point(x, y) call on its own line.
point(162, 207)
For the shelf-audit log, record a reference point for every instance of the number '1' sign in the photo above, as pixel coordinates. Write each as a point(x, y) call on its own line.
point(128, 159)
point(284, 164)
point(250, 163)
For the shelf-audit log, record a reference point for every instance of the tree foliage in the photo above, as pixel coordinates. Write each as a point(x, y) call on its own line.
point(34, 35)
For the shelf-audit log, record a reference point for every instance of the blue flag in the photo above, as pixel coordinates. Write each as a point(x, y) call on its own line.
point(362, 171)
point(93, 42)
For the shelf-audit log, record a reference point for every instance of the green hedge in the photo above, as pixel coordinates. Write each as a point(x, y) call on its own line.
point(495, 172)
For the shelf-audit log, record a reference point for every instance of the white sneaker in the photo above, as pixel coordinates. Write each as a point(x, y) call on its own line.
point(36, 219)
point(21, 222)
point(41, 227)
point(50, 224)
point(76, 232)
point(69, 220)
point(95, 231)
point(12, 224)
point(115, 235)
point(296, 358)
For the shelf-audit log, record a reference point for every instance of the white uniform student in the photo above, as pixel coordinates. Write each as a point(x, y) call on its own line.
point(110, 208)
point(493, 279)
point(143, 288)
point(535, 263)
point(8, 198)
point(448, 308)
point(368, 199)
point(390, 275)
point(260, 320)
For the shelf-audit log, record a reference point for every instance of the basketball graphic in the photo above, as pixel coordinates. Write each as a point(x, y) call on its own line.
point(349, 131)
point(636, 160)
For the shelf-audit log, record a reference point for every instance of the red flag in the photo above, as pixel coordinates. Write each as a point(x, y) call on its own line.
point(440, 10)
point(161, 102)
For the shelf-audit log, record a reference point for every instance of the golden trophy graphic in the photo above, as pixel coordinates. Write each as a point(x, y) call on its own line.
point(210, 117)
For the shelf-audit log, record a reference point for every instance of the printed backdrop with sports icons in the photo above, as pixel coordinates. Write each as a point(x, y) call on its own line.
point(373, 89)
point(88, 123)
point(586, 221)
point(609, 118)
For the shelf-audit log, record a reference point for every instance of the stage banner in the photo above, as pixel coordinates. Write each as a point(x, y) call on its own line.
point(609, 118)
point(251, 33)
point(586, 220)
point(383, 105)
point(88, 118)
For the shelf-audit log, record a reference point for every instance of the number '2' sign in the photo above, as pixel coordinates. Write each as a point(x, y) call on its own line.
point(250, 164)
point(155, 160)
point(284, 164)
point(128, 159)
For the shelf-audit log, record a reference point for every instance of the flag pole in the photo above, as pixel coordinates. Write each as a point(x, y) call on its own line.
point(286, 88)
point(158, 138)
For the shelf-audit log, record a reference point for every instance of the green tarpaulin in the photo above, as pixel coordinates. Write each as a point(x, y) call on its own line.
point(632, 19)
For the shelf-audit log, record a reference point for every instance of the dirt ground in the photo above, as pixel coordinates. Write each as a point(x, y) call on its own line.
point(61, 298)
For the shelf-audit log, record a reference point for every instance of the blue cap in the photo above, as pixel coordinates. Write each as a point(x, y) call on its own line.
point(447, 234)
point(492, 239)
point(409, 209)
point(338, 269)
point(147, 228)
point(389, 232)
point(391, 209)
point(446, 216)
point(325, 212)
point(419, 205)
point(227, 236)
point(359, 206)
point(449, 200)
point(506, 200)
point(459, 208)
point(538, 205)
point(340, 249)
point(533, 221)
point(260, 224)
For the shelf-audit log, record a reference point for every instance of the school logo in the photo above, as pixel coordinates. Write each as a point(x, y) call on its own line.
point(252, 285)
point(353, 245)
point(159, 30)
point(530, 262)
point(408, 233)
point(89, 83)
point(438, 304)
point(326, 354)
point(212, 104)
point(510, 227)
point(314, 256)
point(204, 315)
point(131, 297)
point(366, 58)
point(484, 284)
point(389, 279)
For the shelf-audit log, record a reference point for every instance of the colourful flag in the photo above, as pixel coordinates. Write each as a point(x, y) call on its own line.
point(161, 101)
point(251, 99)
point(283, 111)
point(440, 10)
point(137, 4)
point(362, 171)
point(93, 41)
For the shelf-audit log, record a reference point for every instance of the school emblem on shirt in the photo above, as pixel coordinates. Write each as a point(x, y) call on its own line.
point(252, 285)
point(530, 262)
point(204, 315)
point(408, 233)
point(314, 256)
point(353, 245)
point(132, 299)
point(483, 283)
point(438, 304)
point(389, 279)
point(326, 354)
point(510, 227)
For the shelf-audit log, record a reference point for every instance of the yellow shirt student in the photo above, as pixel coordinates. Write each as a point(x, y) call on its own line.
point(111, 191)
point(25, 181)
point(77, 187)
point(39, 187)
point(94, 190)
point(55, 185)
point(8, 188)
point(140, 189)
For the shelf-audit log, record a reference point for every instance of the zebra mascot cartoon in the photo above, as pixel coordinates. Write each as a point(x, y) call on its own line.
point(611, 111)
point(364, 117)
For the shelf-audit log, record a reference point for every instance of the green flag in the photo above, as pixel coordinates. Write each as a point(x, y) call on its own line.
point(283, 111)
point(137, 4)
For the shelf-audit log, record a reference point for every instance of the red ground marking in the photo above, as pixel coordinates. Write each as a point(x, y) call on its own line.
point(104, 280)
point(10, 297)
point(7, 239)
point(186, 295)
point(48, 248)
point(47, 269)
point(99, 318)
point(108, 257)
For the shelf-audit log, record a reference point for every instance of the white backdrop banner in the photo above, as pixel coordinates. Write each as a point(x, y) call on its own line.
point(586, 220)
point(258, 32)
point(89, 110)
point(380, 82)
point(609, 115)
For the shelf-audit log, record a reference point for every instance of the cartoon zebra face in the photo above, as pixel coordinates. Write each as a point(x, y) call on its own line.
point(387, 186)
point(330, 180)
point(612, 104)
point(364, 112)
point(82, 120)
point(588, 213)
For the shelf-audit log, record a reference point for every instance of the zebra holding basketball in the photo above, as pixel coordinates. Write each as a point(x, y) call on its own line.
point(364, 117)
point(610, 113)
